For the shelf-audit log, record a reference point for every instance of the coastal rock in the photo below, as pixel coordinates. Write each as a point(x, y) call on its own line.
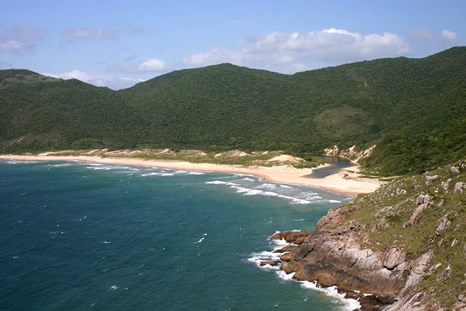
point(393, 258)
point(430, 179)
point(332, 218)
point(444, 274)
point(332, 255)
point(420, 267)
point(459, 186)
point(454, 170)
point(286, 257)
point(446, 184)
point(296, 237)
point(423, 199)
point(408, 302)
point(288, 267)
point(269, 262)
point(442, 225)
point(380, 224)
point(287, 248)
point(417, 214)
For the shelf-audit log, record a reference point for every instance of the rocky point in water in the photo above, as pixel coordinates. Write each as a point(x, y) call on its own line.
point(388, 248)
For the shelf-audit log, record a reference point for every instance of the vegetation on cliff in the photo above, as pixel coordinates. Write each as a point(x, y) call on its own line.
point(404, 243)
point(412, 109)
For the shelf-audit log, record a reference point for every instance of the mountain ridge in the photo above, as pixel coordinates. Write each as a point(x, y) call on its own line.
point(225, 107)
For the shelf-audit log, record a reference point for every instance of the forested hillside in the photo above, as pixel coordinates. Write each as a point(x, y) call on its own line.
point(413, 109)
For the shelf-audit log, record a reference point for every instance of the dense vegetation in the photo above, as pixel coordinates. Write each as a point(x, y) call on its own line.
point(414, 109)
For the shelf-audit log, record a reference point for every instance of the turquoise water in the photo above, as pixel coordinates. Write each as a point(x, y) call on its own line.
point(81, 236)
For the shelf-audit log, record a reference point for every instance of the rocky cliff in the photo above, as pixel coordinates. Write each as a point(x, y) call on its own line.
point(400, 248)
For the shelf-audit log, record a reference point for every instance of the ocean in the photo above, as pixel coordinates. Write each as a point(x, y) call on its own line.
point(84, 236)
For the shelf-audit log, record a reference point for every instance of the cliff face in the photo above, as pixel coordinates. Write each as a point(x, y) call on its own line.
point(404, 245)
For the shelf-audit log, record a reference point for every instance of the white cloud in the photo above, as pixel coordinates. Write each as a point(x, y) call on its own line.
point(87, 33)
point(112, 82)
point(449, 36)
point(151, 65)
point(20, 38)
point(11, 46)
point(287, 51)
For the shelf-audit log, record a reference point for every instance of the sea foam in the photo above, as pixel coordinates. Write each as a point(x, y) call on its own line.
point(258, 257)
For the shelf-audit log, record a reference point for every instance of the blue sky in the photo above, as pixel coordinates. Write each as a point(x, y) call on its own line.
point(119, 43)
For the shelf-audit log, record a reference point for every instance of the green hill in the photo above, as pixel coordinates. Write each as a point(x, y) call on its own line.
point(413, 109)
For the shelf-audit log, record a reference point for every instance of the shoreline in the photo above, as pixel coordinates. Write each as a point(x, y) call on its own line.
point(343, 182)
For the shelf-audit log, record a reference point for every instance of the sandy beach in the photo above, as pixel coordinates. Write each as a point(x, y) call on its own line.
point(347, 181)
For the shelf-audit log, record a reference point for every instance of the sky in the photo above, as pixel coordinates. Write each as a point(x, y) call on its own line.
point(117, 43)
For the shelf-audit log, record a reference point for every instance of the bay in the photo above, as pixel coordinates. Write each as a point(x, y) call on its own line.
point(78, 236)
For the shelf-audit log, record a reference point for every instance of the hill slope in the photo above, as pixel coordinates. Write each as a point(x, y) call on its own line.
point(413, 109)
point(403, 244)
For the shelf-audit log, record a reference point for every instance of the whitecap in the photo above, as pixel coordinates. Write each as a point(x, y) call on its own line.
point(107, 242)
point(195, 173)
point(285, 276)
point(301, 219)
point(248, 179)
point(219, 182)
point(286, 187)
point(267, 186)
point(350, 304)
point(257, 258)
point(21, 162)
point(157, 174)
point(200, 240)
point(61, 165)
point(255, 191)
point(104, 168)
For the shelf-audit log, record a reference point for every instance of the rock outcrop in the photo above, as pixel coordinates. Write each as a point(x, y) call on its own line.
point(400, 248)
point(333, 255)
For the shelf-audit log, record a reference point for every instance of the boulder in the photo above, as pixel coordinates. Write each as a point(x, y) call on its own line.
point(445, 184)
point(291, 236)
point(459, 186)
point(286, 257)
point(269, 262)
point(393, 258)
point(442, 225)
point(444, 274)
point(417, 215)
point(430, 179)
point(332, 218)
point(287, 248)
point(423, 199)
point(454, 170)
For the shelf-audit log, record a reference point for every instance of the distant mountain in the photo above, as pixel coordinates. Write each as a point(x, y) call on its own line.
point(413, 109)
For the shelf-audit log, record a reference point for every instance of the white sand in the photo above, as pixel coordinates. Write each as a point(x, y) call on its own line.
point(342, 182)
